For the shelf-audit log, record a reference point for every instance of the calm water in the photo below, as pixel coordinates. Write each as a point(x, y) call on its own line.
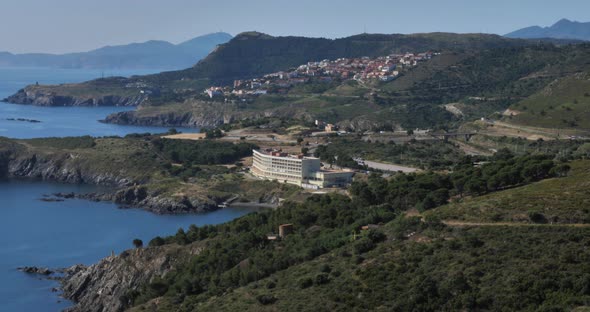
point(60, 234)
point(60, 121)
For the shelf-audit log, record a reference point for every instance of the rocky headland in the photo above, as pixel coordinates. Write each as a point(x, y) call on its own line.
point(106, 285)
point(41, 96)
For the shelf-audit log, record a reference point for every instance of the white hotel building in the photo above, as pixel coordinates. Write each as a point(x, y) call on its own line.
point(296, 169)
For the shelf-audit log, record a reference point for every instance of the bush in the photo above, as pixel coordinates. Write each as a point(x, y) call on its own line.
point(321, 279)
point(305, 282)
point(266, 299)
point(537, 217)
point(156, 241)
point(363, 245)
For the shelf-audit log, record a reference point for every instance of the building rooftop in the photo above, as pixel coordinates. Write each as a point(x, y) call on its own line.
point(280, 153)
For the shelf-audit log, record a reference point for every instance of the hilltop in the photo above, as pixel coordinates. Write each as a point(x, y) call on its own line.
point(153, 54)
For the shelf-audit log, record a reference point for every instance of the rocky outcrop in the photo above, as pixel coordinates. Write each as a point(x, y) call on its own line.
point(60, 168)
point(18, 161)
point(46, 97)
point(164, 120)
point(36, 270)
point(202, 114)
point(141, 197)
point(107, 285)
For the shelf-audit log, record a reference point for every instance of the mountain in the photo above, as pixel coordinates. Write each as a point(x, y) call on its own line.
point(150, 54)
point(563, 29)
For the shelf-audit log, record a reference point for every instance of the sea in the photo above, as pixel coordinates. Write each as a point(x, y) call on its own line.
point(60, 234)
point(61, 121)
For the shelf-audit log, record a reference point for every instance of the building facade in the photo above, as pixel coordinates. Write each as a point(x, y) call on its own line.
point(297, 169)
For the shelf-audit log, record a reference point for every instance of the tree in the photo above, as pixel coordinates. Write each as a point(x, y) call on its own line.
point(475, 186)
point(299, 140)
point(138, 243)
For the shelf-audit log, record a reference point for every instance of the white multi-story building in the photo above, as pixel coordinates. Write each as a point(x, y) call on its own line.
point(297, 169)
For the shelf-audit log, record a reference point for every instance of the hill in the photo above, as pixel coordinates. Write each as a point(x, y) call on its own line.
point(467, 66)
point(252, 54)
point(564, 103)
point(152, 54)
point(563, 29)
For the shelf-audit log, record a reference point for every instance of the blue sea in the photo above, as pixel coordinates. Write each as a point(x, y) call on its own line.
point(60, 121)
point(60, 234)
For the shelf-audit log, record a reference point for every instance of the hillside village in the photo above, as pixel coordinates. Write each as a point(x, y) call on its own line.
point(382, 68)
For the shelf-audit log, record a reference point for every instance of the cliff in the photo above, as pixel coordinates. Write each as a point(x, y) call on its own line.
point(58, 167)
point(137, 187)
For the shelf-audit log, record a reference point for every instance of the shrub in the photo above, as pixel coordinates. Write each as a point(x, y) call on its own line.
point(305, 282)
point(266, 299)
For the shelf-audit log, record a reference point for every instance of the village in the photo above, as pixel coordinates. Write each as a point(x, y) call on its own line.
point(363, 69)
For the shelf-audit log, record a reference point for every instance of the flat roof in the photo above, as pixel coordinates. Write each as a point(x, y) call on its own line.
point(288, 156)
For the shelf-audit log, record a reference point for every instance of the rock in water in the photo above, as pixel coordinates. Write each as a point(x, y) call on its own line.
point(35, 270)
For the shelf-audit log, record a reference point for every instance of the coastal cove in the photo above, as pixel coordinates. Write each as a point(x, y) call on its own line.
point(58, 234)
point(61, 234)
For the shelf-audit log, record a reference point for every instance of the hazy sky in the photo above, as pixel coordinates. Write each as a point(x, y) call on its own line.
point(78, 25)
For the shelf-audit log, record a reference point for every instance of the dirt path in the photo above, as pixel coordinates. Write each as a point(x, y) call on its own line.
point(455, 223)
point(389, 167)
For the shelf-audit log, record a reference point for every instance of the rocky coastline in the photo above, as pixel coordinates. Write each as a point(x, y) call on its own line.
point(140, 197)
point(106, 285)
point(127, 193)
point(41, 97)
point(58, 169)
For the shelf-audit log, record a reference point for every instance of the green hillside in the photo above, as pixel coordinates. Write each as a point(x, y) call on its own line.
point(560, 200)
point(564, 103)
point(403, 263)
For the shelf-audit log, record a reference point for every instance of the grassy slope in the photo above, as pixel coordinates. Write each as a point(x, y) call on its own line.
point(562, 104)
point(560, 200)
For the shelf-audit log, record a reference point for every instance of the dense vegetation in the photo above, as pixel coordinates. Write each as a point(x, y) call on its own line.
point(238, 253)
point(438, 268)
point(564, 200)
point(204, 152)
point(64, 142)
point(422, 154)
point(429, 190)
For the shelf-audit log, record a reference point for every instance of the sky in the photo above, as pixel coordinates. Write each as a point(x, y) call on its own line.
point(59, 26)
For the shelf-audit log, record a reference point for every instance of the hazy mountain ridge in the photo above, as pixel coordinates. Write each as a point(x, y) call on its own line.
point(563, 29)
point(155, 54)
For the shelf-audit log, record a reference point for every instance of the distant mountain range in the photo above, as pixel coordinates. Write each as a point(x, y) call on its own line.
point(563, 29)
point(152, 54)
